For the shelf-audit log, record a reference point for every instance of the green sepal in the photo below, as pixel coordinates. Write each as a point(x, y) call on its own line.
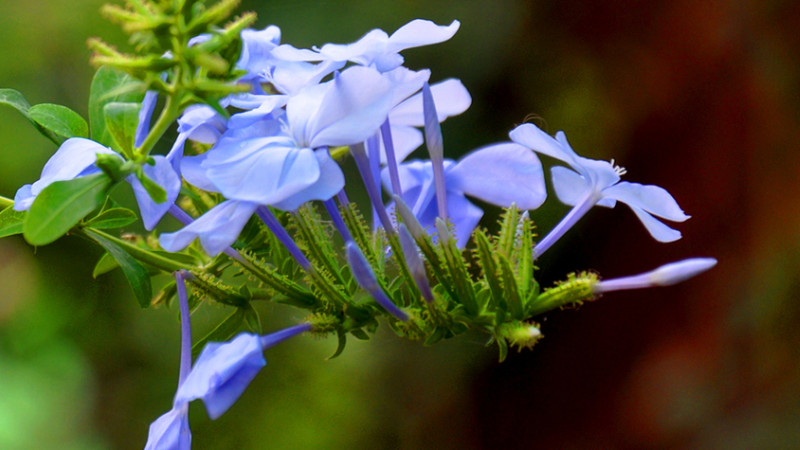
point(110, 85)
point(512, 297)
point(11, 221)
point(122, 119)
point(112, 218)
point(156, 192)
point(222, 332)
point(61, 205)
point(60, 120)
point(457, 268)
point(360, 334)
point(134, 271)
point(341, 341)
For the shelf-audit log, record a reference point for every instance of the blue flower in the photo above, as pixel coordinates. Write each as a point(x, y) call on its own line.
point(217, 229)
point(376, 48)
point(500, 174)
point(76, 157)
point(224, 370)
point(593, 182)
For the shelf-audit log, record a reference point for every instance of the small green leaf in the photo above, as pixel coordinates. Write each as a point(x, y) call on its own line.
point(360, 334)
point(134, 271)
point(106, 264)
point(113, 218)
point(62, 121)
point(63, 204)
point(11, 221)
point(121, 122)
point(15, 100)
point(109, 85)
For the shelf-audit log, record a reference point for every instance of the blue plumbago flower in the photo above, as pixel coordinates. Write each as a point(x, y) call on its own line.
point(223, 370)
point(270, 168)
point(76, 158)
point(376, 48)
point(594, 182)
point(264, 66)
point(665, 275)
point(500, 174)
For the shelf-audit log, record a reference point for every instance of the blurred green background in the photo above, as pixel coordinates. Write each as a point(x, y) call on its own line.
point(698, 97)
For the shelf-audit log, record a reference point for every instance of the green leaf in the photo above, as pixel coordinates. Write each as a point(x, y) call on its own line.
point(121, 122)
point(105, 264)
point(62, 121)
point(134, 271)
point(109, 85)
point(156, 192)
point(11, 221)
point(113, 218)
point(63, 204)
point(15, 100)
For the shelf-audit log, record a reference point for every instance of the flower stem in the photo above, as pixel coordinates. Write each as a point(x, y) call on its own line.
point(572, 217)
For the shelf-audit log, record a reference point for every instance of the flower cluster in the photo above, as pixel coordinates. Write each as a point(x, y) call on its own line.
point(262, 130)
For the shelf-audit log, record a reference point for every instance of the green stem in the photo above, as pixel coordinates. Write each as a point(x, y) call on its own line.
point(6, 202)
point(158, 261)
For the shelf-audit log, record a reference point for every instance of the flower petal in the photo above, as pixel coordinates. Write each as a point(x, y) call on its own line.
point(537, 140)
point(657, 229)
point(355, 105)
point(163, 174)
point(450, 96)
point(329, 183)
point(222, 372)
point(170, 431)
point(653, 199)
point(420, 32)
point(500, 174)
point(217, 229)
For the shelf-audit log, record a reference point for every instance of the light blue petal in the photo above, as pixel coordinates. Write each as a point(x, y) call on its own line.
point(195, 174)
point(500, 174)
point(464, 216)
point(355, 105)
point(222, 372)
point(265, 110)
point(657, 229)
point(263, 171)
point(163, 174)
point(570, 187)
point(257, 48)
point(420, 32)
point(24, 198)
point(290, 77)
point(653, 199)
point(532, 137)
point(170, 431)
point(74, 158)
point(329, 183)
point(217, 229)
point(450, 96)
point(201, 124)
point(370, 46)
point(405, 83)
